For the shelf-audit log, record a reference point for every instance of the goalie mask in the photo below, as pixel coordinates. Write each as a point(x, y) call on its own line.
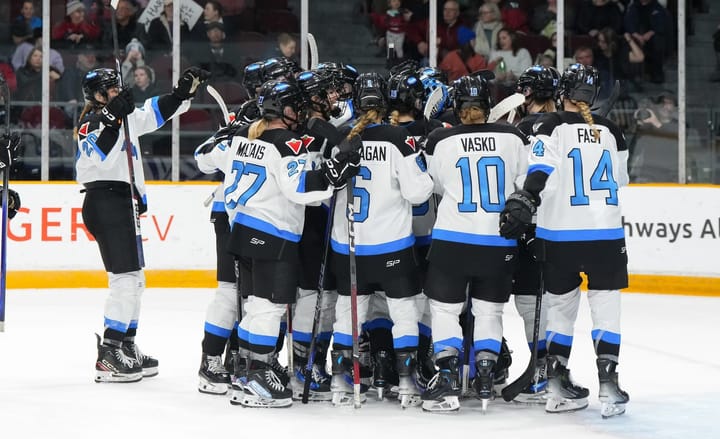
point(405, 93)
point(471, 91)
point(319, 88)
point(369, 92)
point(579, 83)
point(429, 85)
point(276, 95)
point(434, 73)
point(538, 82)
point(99, 81)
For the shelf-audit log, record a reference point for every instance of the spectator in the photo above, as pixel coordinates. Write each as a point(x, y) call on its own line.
point(22, 51)
point(26, 24)
point(286, 47)
point(218, 58)
point(127, 28)
point(616, 59)
point(584, 55)
point(446, 31)
point(515, 59)
point(545, 60)
point(159, 33)
point(212, 12)
point(74, 30)
point(543, 18)
point(649, 24)
point(512, 15)
point(143, 84)
point(593, 15)
point(70, 86)
point(487, 28)
point(29, 78)
point(464, 60)
point(394, 24)
point(134, 58)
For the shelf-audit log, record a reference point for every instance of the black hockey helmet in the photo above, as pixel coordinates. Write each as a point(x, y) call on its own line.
point(99, 81)
point(317, 83)
point(276, 95)
point(406, 92)
point(280, 68)
point(579, 83)
point(253, 77)
point(369, 92)
point(471, 91)
point(432, 72)
point(538, 82)
point(344, 76)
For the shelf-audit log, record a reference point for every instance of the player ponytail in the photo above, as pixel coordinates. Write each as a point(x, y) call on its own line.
point(257, 129)
point(88, 106)
point(587, 116)
point(374, 115)
point(394, 118)
point(545, 105)
point(472, 115)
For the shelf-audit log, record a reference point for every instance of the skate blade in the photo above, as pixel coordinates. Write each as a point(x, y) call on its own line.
point(609, 409)
point(410, 400)
point(259, 402)
point(313, 396)
point(344, 399)
point(531, 398)
point(564, 405)
point(149, 372)
point(109, 377)
point(448, 404)
point(207, 387)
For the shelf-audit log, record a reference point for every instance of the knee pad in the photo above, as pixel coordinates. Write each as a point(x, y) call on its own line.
point(562, 313)
point(264, 324)
point(378, 308)
point(343, 319)
point(304, 314)
point(605, 312)
point(222, 311)
point(404, 314)
point(526, 308)
point(487, 334)
point(123, 303)
point(446, 330)
point(327, 315)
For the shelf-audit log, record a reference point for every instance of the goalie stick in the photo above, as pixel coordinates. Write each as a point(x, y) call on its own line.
point(5, 200)
point(507, 105)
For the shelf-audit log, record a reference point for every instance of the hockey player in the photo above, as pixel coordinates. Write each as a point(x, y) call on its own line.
point(539, 86)
point(344, 76)
point(475, 166)
point(577, 164)
point(267, 183)
point(392, 177)
point(102, 169)
point(9, 143)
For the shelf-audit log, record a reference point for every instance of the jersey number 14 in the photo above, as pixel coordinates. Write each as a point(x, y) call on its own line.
point(601, 179)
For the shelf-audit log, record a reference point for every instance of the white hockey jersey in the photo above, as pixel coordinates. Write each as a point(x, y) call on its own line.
point(265, 183)
point(580, 199)
point(392, 178)
point(475, 168)
point(92, 164)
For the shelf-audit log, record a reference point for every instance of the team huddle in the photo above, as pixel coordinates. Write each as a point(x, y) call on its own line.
point(356, 227)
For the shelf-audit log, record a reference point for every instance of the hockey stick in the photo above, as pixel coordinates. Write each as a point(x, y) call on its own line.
point(5, 200)
point(512, 390)
point(314, 55)
point(127, 143)
point(221, 102)
point(353, 293)
point(507, 105)
point(432, 105)
point(289, 339)
point(467, 344)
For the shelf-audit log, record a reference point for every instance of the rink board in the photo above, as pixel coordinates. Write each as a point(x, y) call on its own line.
point(673, 235)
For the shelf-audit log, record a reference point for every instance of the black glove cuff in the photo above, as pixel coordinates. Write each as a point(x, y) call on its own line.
point(525, 198)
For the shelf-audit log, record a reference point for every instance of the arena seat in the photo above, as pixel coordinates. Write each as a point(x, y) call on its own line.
point(277, 20)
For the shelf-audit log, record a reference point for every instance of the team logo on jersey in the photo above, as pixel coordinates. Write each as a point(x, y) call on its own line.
point(410, 141)
point(536, 127)
point(231, 118)
point(83, 131)
point(295, 145)
point(306, 140)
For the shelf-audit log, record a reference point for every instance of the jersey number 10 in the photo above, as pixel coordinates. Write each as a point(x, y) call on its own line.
point(484, 183)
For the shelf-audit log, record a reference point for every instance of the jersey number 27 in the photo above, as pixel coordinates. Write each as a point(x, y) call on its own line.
point(239, 169)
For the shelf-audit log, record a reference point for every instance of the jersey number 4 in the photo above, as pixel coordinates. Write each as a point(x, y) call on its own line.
point(601, 179)
point(492, 188)
point(233, 196)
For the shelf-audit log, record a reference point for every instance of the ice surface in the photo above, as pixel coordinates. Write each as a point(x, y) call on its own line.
point(670, 365)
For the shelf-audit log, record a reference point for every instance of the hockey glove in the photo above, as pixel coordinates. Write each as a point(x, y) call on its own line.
point(9, 143)
point(188, 84)
point(248, 112)
point(13, 203)
point(517, 215)
point(345, 165)
point(117, 108)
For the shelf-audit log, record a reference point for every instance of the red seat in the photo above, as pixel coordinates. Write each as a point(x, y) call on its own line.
point(31, 117)
point(196, 120)
point(277, 20)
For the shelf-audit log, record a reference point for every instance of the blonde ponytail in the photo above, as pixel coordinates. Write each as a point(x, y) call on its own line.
point(366, 119)
point(587, 116)
point(88, 106)
point(472, 115)
point(395, 118)
point(257, 129)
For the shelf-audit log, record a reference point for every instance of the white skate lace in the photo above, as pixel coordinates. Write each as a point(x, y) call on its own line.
point(317, 376)
point(273, 380)
point(124, 359)
point(215, 364)
point(433, 381)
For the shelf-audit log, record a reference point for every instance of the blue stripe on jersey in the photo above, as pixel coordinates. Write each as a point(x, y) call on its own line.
point(378, 324)
point(115, 325)
point(262, 340)
point(217, 330)
point(133, 324)
point(424, 330)
point(561, 339)
point(243, 334)
point(264, 226)
point(471, 238)
point(545, 169)
point(374, 249)
point(454, 342)
point(406, 341)
point(606, 336)
point(541, 345)
point(158, 116)
point(580, 235)
point(327, 335)
point(218, 206)
point(342, 339)
point(487, 344)
point(302, 337)
point(423, 241)
point(301, 183)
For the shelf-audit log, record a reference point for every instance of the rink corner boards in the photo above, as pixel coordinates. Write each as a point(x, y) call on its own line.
point(639, 283)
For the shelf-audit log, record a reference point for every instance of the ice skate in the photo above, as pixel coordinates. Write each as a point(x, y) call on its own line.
point(280, 370)
point(536, 391)
point(407, 388)
point(341, 384)
point(612, 398)
point(563, 394)
point(384, 374)
point(113, 366)
point(214, 378)
point(443, 391)
point(319, 384)
point(263, 387)
point(483, 382)
point(238, 378)
point(502, 367)
point(148, 364)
